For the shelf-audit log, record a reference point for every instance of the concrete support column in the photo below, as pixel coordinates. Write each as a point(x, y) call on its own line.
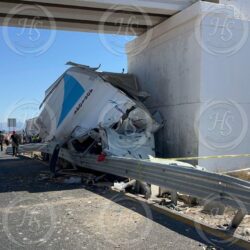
point(195, 66)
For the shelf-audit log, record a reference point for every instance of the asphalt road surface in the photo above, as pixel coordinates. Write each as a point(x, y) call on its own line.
point(37, 213)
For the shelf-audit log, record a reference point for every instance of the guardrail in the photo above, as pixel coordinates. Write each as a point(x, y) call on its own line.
point(30, 148)
point(200, 184)
point(177, 177)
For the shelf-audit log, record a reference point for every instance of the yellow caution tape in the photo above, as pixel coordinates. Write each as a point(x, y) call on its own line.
point(209, 157)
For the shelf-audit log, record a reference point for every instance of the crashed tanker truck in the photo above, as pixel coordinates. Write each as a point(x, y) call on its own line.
point(97, 112)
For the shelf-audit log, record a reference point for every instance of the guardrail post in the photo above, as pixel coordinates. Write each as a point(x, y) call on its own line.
point(174, 197)
point(238, 218)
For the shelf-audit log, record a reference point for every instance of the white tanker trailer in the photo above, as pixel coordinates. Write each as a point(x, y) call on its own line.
point(96, 112)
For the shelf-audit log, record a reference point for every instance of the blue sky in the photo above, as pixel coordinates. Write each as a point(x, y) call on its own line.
point(25, 75)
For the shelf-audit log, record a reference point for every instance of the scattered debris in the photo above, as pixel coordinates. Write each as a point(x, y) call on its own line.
point(210, 248)
point(187, 199)
point(44, 176)
point(246, 232)
point(73, 180)
point(214, 208)
point(119, 186)
point(122, 186)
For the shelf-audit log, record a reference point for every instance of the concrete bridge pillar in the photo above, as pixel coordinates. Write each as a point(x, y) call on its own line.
point(195, 66)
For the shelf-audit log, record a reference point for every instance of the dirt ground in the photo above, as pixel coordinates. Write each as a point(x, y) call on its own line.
point(219, 221)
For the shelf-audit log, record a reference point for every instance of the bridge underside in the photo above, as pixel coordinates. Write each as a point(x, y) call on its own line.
point(105, 16)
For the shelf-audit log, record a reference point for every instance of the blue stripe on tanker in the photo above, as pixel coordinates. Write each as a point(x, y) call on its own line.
point(73, 91)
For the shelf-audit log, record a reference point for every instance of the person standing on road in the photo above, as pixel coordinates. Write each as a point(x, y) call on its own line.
point(15, 143)
point(1, 140)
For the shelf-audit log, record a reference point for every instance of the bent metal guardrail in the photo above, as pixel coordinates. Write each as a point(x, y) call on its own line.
point(201, 184)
